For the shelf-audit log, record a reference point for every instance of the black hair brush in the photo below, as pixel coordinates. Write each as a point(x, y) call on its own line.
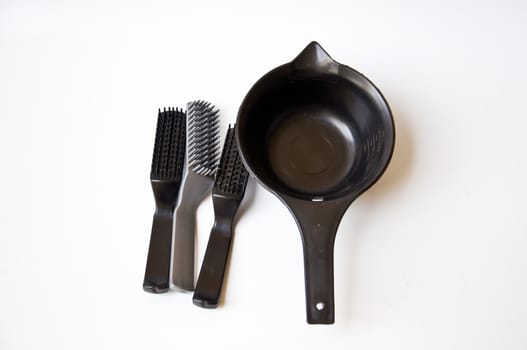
point(166, 175)
point(227, 194)
point(203, 151)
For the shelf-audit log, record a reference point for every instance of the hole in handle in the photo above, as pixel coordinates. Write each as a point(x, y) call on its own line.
point(320, 306)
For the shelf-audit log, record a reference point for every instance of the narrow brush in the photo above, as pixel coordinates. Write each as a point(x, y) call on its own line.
point(227, 194)
point(165, 176)
point(202, 162)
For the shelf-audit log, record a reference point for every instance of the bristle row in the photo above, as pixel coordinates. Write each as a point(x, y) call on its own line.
point(231, 177)
point(203, 137)
point(169, 148)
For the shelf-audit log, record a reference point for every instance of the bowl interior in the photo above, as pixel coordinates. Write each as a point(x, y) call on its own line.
point(315, 137)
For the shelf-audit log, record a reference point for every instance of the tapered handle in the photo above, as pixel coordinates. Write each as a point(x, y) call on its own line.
point(318, 273)
point(195, 189)
point(210, 280)
point(318, 222)
point(184, 247)
point(157, 273)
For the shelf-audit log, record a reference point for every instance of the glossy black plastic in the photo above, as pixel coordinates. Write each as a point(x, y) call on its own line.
point(165, 177)
point(317, 134)
point(227, 194)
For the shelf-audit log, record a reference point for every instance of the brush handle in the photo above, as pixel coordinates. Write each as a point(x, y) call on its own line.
point(195, 189)
point(210, 280)
point(157, 273)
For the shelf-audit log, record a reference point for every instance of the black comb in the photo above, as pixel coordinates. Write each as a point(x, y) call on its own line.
point(227, 193)
point(166, 175)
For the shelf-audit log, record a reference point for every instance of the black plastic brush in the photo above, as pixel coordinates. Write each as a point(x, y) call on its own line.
point(166, 175)
point(227, 194)
point(203, 153)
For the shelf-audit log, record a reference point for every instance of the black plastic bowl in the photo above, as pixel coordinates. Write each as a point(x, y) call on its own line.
point(317, 134)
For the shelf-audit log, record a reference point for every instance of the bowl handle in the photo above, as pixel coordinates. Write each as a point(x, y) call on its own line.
point(318, 222)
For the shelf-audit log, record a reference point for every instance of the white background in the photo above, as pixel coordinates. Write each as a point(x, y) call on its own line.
point(432, 257)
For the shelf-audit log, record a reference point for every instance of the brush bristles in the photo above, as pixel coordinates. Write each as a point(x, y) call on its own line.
point(232, 176)
point(203, 127)
point(169, 148)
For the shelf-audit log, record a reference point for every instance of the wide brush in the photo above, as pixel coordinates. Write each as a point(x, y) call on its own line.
point(202, 162)
point(227, 194)
point(166, 175)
